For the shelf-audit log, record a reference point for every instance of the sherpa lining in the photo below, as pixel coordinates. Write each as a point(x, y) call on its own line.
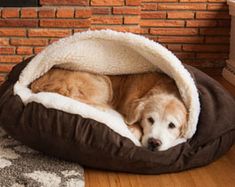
point(107, 52)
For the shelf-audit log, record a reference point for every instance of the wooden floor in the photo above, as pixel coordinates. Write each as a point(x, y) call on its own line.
point(221, 173)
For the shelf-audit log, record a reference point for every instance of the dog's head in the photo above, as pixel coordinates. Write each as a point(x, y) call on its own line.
point(163, 119)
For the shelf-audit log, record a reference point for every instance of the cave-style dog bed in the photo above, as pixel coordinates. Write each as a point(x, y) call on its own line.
point(68, 129)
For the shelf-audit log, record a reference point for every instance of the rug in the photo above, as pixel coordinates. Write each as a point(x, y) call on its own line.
point(22, 166)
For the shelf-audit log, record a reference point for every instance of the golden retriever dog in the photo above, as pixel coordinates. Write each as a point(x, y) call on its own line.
point(150, 102)
point(86, 87)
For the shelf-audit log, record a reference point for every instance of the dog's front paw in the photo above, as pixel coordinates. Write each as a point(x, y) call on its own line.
point(136, 130)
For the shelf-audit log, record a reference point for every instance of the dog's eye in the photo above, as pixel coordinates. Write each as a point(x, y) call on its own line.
point(171, 125)
point(151, 120)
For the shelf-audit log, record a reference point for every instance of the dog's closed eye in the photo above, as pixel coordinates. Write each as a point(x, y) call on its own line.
point(171, 125)
point(151, 120)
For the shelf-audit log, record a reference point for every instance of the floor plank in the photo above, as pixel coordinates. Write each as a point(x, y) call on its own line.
point(219, 173)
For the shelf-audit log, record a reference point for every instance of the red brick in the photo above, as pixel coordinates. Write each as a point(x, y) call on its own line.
point(217, 1)
point(47, 13)
point(101, 10)
point(29, 41)
point(12, 32)
point(165, 45)
point(24, 50)
point(158, 1)
point(64, 2)
point(206, 48)
point(49, 32)
point(7, 50)
point(217, 6)
point(18, 23)
point(180, 39)
point(181, 6)
point(213, 26)
point(29, 13)
point(82, 23)
point(154, 38)
point(144, 30)
point(10, 13)
point(223, 23)
point(218, 40)
point(6, 67)
point(10, 58)
point(183, 55)
point(126, 10)
point(133, 2)
point(80, 30)
point(212, 55)
point(215, 31)
point(83, 13)
point(107, 2)
point(109, 20)
point(65, 13)
point(131, 19)
point(52, 40)
point(149, 6)
point(182, 15)
point(212, 15)
point(38, 49)
point(162, 23)
point(201, 63)
point(193, 1)
point(4, 41)
point(174, 31)
point(133, 29)
point(174, 47)
point(198, 63)
point(152, 15)
point(201, 23)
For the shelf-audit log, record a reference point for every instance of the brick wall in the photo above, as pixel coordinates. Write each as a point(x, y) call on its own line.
point(197, 31)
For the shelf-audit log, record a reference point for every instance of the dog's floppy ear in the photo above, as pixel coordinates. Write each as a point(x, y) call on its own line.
point(184, 127)
point(183, 131)
point(134, 111)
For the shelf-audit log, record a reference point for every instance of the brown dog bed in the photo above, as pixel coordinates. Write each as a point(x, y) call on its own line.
point(59, 126)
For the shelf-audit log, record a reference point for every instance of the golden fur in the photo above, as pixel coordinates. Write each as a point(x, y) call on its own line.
point(134, 96)
point(86, 87)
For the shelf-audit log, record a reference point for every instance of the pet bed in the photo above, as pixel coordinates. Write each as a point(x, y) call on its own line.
point(71, 130)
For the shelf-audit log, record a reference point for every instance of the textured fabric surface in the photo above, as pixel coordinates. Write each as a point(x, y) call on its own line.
point(93, 144)
point(23, 166)
point(114, 53)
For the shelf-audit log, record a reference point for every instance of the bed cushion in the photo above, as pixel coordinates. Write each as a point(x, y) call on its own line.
point(91, 142)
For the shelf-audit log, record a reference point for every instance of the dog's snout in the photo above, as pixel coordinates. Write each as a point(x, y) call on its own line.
point(154, 143)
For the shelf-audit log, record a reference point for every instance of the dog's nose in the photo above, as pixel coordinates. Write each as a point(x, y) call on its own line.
point(154, 143)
